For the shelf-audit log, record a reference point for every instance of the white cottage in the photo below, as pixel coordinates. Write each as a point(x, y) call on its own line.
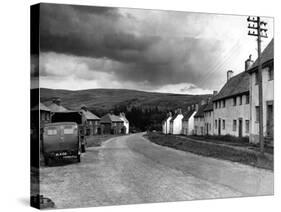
point(199, 121)
point(209, 118)
point(166, 124)
point(176, 123)
point(125, 122)
point(232, 106)
point(188, 121)
point(267, 60)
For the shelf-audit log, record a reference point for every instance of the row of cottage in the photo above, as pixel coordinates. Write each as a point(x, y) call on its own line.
point(234, 110)
point(107, 124)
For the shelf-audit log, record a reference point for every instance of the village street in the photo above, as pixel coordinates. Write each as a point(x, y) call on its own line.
point(130, 169)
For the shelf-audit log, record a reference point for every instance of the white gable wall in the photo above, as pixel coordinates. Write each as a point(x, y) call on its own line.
point(199, 124)
point(209, 122)
point(188, 126)
point(166, 126)
point(177, 125)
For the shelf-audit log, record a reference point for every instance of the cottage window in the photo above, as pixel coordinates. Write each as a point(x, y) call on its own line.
point(256, 78)
point(216, 124)
point(247, 99)
point(270, 73)
point(234, 101)
point(223, 103)
point(257, 114)
point(219, 104)
point(247, 126)
point(234, 125)
point(241, 100)
point(223, 124)
point(216, 106)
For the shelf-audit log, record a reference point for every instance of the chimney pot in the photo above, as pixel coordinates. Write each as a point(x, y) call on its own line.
point(248, 63)
point(215, 93)
point(229, 74)
point(57, 101)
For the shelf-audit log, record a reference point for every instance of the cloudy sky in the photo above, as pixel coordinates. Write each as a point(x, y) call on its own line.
point(165, 51)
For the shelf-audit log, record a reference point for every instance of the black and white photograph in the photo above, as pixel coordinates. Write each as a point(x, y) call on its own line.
point(134, 106)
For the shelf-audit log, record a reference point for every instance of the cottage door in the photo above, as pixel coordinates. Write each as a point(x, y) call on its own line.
point(240, 127)
point(219, 130)
point(269, 121)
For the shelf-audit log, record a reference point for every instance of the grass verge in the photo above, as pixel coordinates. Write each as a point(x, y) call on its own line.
point(221, 152)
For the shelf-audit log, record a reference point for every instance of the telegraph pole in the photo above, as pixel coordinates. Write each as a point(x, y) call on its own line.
point(257, 29)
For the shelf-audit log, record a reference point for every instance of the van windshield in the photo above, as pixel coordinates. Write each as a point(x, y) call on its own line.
point(68, 130)
point(52, 131)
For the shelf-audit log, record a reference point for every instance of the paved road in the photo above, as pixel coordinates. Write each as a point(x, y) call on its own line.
point(130, 170)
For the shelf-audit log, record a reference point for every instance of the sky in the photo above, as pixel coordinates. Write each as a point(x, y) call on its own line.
point(86, 47)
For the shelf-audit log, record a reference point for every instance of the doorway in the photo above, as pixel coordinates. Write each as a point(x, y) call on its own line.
point(269, 119)
point(219, 130)
point(240, 127)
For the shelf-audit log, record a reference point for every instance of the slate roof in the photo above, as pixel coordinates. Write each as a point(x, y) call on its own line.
point(57, 108)
point(124, 118)
point(109, 118)
point(187, 115)
point(234, 86)
point(209, 106)
point(89, 115)
point(200, 112)
point(174, 117)
point(266, 56)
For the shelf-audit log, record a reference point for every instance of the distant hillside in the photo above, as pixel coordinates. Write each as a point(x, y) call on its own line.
point(108, 99)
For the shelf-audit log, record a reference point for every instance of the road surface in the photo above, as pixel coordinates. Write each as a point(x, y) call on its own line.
point(131, 170)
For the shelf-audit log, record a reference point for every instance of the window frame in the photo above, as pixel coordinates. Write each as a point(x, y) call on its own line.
point(234, 127)
point(234, 101)
point(247, 126)
point(256, 78)
point(247, 99)
point(270, 74)
point(257, 118)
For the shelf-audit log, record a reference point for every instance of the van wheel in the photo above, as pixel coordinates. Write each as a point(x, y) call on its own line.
point(78, 158)
point(47, 161)
point(83, 149)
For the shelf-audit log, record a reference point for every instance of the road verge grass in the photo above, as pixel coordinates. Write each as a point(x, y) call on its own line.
point(252, 158)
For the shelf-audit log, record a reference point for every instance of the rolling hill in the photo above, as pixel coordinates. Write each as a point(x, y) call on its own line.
point(107, 99)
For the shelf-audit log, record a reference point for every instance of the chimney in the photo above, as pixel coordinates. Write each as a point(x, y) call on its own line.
point(57, 101)
point(188, 108)
point(170, 114)
point(83, 107)
point(179, 110)
point(229, 74)
point(196, 107)
point(215, 93)
point(203, 101)
point(248, 63)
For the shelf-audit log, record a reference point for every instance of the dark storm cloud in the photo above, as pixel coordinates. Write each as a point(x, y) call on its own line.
point(88, 31)
point(98, 32)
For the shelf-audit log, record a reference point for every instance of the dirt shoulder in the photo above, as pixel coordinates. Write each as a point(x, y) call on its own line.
point(97, 140)
point(225, 152)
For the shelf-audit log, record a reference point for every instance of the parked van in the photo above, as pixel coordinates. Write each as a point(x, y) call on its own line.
point(61, 139)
